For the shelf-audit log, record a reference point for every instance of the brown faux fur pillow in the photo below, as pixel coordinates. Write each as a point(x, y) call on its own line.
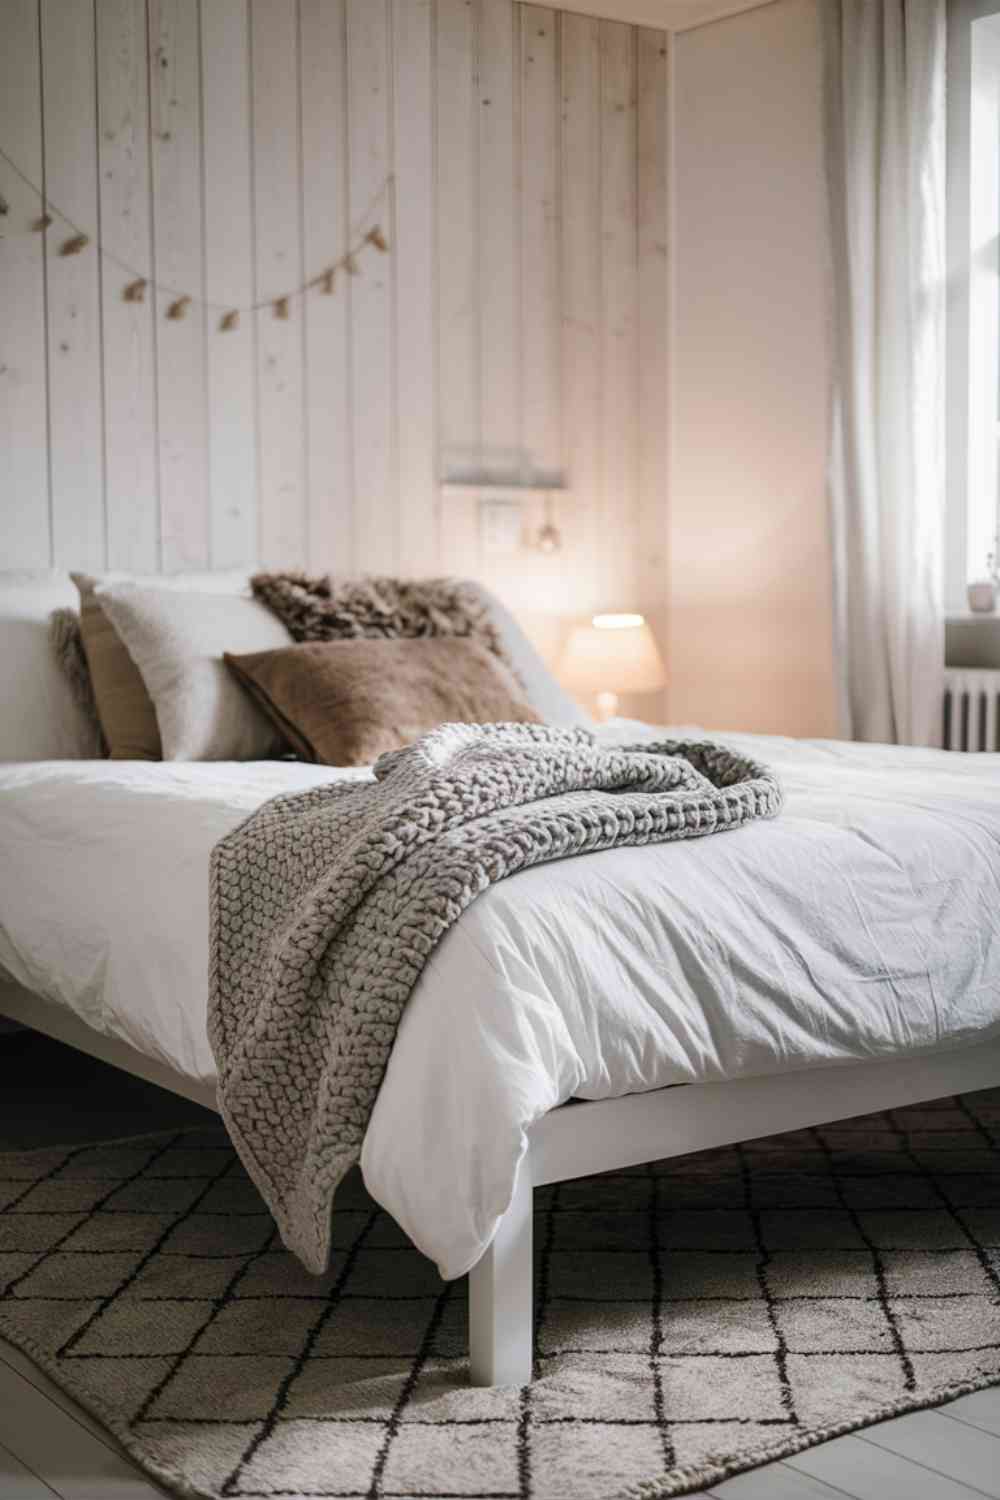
point(323, 608)
point(343, 703)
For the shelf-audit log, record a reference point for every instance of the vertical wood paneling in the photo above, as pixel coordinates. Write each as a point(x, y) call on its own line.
point(498, 98)
point(619, 348)
point(76, 436)
point(581, 303)
point(499, 257)
point(540, 404)
point(653, 331)
point(370, 150)
point(230, 150)
point(129, 330)
point(413, 265)
point(230, 393)
point(528, 577)
point(27, 538)
point(279, 266)
point(175, 152)
point(329, 466)
point(457, 272)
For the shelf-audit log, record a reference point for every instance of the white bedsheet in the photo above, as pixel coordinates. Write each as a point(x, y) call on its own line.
point(864, 922)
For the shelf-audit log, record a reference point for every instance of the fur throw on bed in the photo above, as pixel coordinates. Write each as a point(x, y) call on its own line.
point(326, 905)
point(324, 608)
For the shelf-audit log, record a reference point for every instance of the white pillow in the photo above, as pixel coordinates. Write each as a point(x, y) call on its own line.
point(177, 640)
point(39, 716)
point(222, 581)
point(116, 689)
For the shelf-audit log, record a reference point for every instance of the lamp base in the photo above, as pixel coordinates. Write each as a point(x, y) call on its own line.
point(607, 706)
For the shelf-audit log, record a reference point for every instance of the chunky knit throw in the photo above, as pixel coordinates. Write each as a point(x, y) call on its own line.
point(327, 904)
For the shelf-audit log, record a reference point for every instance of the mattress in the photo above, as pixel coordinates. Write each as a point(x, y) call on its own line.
point(863, 923)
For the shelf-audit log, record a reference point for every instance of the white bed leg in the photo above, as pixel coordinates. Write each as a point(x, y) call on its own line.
point(500, 1297)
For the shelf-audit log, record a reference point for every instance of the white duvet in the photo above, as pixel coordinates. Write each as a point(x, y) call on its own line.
point(863, 922)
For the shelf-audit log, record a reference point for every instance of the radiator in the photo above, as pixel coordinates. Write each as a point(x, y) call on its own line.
point(971, 709)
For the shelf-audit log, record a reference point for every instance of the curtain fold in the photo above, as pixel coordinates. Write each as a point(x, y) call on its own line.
point(885, 105)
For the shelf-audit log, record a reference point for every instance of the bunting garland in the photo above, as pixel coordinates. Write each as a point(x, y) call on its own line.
point(177, 301)
point(73, 245)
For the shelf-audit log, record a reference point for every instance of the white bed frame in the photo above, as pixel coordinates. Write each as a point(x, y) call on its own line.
point(579, 1139)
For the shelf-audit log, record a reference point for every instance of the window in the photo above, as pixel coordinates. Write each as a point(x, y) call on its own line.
point(973, 294)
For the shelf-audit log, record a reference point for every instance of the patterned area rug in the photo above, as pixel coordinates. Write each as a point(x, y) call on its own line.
point(695, 1317)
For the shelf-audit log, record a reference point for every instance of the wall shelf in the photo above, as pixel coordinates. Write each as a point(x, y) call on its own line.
point(492, 489)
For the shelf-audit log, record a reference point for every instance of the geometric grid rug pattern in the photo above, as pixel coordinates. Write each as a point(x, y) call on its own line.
point(694, 1316)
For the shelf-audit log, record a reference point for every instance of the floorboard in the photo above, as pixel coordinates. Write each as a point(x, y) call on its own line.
point(17, 1482)
point(928, 1437)
point(867, 1472)
point(55, 1448)
point(775, 1482)
point(981, 1409)
point(21, 1365)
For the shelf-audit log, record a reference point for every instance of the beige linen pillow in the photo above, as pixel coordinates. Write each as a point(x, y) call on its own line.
point(176, 640)
point(126, 711)
point(343, 703)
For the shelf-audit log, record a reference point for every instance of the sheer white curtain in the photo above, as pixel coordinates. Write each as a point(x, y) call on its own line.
point(885, 117)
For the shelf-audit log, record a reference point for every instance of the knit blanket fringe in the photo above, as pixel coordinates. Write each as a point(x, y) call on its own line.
point(326, 905)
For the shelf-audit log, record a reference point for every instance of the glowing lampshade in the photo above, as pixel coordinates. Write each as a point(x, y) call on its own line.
point(613, 654)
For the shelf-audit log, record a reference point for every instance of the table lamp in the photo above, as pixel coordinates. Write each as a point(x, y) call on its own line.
point(613, 654)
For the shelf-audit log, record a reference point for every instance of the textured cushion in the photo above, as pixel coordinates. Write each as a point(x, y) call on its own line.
point(324, 608)
point(176, 639)
point(126, 711)
point(344, 703)
point(375, 607)
point(40, 719)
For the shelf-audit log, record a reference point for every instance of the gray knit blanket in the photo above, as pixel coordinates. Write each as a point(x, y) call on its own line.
point(326, 904)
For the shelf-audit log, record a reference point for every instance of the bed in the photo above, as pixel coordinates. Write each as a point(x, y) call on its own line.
point(645, 1003)
point(637, 1004)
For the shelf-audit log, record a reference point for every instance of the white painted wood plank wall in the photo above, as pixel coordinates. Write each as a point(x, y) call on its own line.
point(516, 159)
point(69, 131)
point(27, 510)
point(129, 330)
point(277, 197)
point(230, 392)
point(414, 246)
point(329, 466)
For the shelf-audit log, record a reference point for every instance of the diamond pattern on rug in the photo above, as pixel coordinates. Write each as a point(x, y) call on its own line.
point(690, 1314)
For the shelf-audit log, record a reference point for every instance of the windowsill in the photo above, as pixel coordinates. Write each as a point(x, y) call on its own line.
point(972, 639)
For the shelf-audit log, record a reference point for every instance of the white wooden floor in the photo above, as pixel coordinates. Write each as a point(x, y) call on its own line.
point(49, 1446)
